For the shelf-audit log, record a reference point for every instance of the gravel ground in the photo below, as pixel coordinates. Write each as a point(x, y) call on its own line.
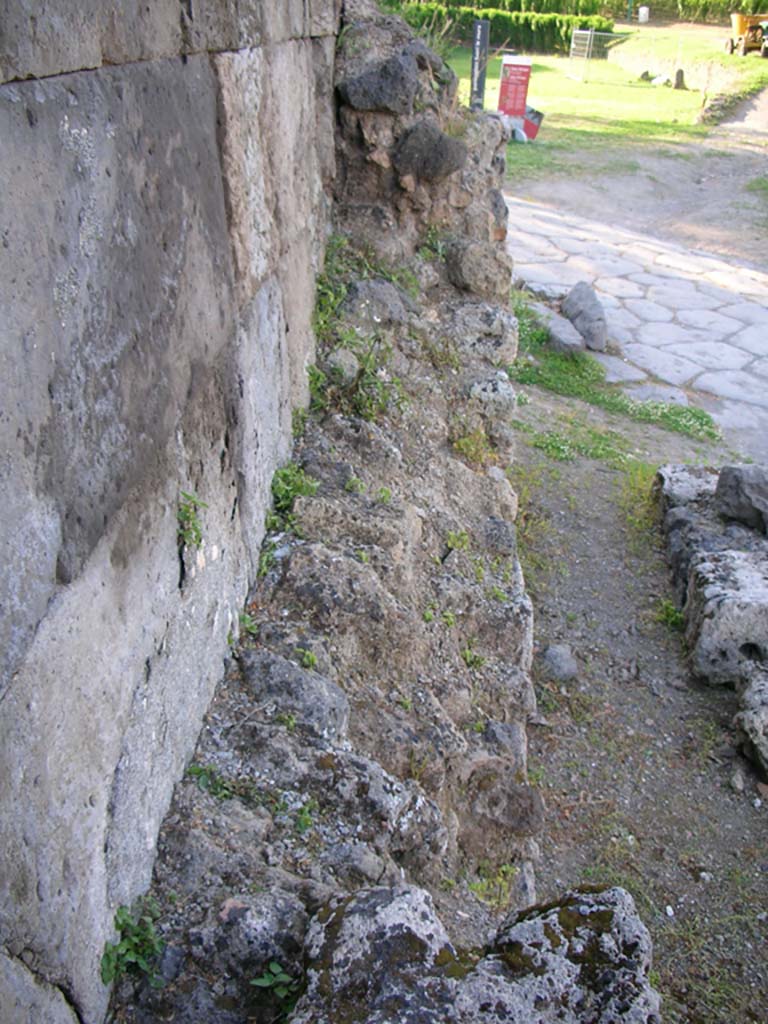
point(643, 784)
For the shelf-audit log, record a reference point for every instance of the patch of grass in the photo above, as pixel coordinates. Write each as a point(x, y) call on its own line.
point(638, 501)
point(470, 657)
point(582, 377)
point(494, 888)
point(581, 439)
point(276, 982)
point(474, 447)
point(457, 540)
point(759, 186)
point(668, 615)
point(370, 393)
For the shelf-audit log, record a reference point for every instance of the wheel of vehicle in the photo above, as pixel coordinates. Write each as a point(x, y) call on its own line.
point(741, 47)
point(729, 45)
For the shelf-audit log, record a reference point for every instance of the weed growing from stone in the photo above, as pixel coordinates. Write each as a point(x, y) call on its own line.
point(457, 540)
point(470, 657)
point(248, 624)
point(371, 393)
point(354, 485)
point(288, 484)
point(384, 495)
point(474, 447)
point(299, 419)
point(279, 984)
point(668, 615)
point(287, 719)
point(494, 889)
point(137, 947)
point(308, 659)
point(266, 558)
point(449, 619)
point(305, 816)
point(211, 781)
point(190, 530)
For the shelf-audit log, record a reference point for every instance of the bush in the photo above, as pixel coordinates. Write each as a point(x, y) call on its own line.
point(523, 30)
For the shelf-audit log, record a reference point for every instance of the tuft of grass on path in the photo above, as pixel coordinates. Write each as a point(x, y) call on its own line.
point(580, 376)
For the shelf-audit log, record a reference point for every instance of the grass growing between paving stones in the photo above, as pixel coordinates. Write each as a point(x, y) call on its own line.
point(582, 377)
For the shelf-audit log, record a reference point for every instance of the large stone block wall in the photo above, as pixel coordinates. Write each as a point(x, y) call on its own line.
point(163, 212)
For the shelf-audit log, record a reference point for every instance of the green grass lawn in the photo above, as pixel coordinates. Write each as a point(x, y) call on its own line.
point(611, 106)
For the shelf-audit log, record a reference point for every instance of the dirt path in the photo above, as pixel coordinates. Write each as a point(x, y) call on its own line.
point(643, 781)
point(695, 194)
point(637, 762)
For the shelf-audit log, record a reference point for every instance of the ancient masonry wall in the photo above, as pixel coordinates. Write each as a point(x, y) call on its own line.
point(163, 208)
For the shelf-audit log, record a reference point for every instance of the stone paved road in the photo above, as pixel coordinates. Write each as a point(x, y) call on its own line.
point(682, 325)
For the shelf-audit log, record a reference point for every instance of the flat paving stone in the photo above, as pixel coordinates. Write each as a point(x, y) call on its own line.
point(651, 312)
point(618, 371)
point(712, 355)
point(752, 339)
point(740, 282)
point(679, 261)
point(619, 287)
point(709, 320)
point(760, 367)
point(552, 273)
point(735, 384)
point(659, 363)
point(620, 316)
point(681, 295)
point(746, 427)
point(657, 393)
point(747, 312)
point(605, 266)
point(659, 335)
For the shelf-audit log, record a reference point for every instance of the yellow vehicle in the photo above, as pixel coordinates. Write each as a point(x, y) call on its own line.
point(748, 32)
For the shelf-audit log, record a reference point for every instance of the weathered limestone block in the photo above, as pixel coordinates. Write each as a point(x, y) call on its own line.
point(727, 614)
point(24, 999)
point(752, 720)
point(383, 954)
point(742, 494)
point(132, 369)
point(480, 268)
point(38, 41)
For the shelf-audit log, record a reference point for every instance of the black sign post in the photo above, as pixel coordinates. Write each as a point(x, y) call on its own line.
point(480, 36)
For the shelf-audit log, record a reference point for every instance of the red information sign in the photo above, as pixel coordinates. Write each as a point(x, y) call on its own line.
point(513, 89)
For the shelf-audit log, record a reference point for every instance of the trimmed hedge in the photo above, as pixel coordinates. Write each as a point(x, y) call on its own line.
point(582, 7)
point(712, 11)
point(523, 30)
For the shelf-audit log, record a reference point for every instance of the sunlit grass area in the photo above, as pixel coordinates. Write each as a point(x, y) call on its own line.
point(607, 106)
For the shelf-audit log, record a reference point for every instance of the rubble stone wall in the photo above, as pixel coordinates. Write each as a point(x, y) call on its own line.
point(165, 169)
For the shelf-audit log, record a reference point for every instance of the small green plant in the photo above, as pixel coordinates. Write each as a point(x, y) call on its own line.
point(495, 890)
point(457, 540)
point(209, 780)
point(429, 613)
point(474, 447)
point(449, 618)
point(384, 495)
point(299, 419)
point(288, 483)
point(638, 502)
point(668, 615)
point(190, 531)
point(266, 558)
point(354, 485)
point(308, 658)
point(417, 765)
point(137, 947)
point(278, 983)
point(470, 657)
point(363, 556)
point(287, 719)
point(497, 594)
point(434, 246)
point(248, 624)
point(405, 703)
point(305, 817)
